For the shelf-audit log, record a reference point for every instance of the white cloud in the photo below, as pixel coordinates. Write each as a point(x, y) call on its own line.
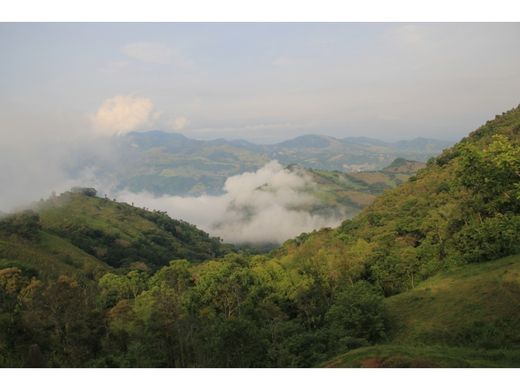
point(180, 123)
point(121, 114)
point(42, 153)
point(268, 205)
point(156, 53)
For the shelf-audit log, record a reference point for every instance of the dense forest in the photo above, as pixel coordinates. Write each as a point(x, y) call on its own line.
point(428, 275)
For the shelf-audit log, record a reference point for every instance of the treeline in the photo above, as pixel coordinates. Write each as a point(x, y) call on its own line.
point(233, 312)
point(463, 208)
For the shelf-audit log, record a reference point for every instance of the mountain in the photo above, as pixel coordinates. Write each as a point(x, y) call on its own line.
point(169, 163)
point(434, 246)
point(307, 141)
point(346, 194)
point(461, 208)
point(426, 275)
point(80, 233)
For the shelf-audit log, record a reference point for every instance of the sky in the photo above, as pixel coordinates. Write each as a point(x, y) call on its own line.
point(264, 82)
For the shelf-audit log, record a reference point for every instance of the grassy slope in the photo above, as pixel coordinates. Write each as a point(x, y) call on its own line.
point(406, 356)
point(346, 194)
point(51, 256)
point(420, 217)
point(467, 317)
point(88, 235)
point(106, 215)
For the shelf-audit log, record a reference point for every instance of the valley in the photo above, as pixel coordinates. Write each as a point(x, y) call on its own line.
point(424, 274)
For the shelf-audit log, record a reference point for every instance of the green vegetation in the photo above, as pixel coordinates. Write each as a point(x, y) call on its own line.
point(340, 193)
point(168, 163)
point(467, 317)
point(79, 232)
point(472, 305)
point(438, 219)
point(428, 275)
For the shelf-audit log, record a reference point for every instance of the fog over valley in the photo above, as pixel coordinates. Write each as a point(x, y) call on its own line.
point(259, 195)
point(220, 121)
point(265, 206)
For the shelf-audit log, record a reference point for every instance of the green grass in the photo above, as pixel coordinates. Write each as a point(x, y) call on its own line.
point(477, 304)
point(467, 317)
point(50, 256)
point(97, 213)
point(88, 235)
point(349, 193)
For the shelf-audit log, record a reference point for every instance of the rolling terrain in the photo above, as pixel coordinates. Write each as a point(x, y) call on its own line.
point(168, 163)
point(427, 275)
point(346, 194)
point(466, 317)
point(80, 233)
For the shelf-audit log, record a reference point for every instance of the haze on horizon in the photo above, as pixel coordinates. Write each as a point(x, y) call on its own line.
point(67, 87)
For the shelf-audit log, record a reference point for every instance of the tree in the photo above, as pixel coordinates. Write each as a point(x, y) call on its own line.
point(357, 315)
point(493, 173)
point(13, 336)
point(25, 224)
point(62, 316)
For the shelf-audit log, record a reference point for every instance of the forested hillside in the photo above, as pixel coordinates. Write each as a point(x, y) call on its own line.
point(462, 208)
point(343, 194)
point(467, 317)
point(414, 280)
point(78, 232)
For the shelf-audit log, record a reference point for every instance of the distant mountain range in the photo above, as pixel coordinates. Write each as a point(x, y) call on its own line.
point(428, 275)
point(170, 163)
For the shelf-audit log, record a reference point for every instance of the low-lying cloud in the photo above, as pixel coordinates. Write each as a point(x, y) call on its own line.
point(267, 206)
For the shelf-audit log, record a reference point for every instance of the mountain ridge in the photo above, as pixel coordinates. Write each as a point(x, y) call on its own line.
point(89, 234)
point(172, 164)
point(426, 276)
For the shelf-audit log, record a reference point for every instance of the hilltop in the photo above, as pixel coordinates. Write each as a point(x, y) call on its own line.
point(78, 232)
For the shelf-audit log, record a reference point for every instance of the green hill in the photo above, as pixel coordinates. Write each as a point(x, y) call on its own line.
point(467, 317)
point(168, 163)
point(344, 194)
point(78, 232)
point(427, 275)
point(463, 207)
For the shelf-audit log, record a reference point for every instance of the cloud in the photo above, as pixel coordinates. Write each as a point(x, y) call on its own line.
point(180, 123)
point(41, 153)
point(122, 114)
point(156, 53)
point(266, 206)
